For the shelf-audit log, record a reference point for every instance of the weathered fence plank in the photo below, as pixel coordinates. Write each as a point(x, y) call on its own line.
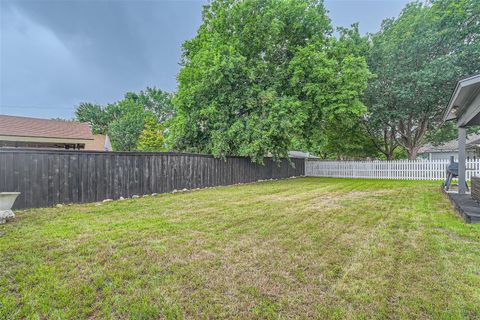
point(46, 177)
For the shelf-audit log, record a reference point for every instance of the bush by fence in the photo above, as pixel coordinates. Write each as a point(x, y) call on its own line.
point(49, 177)
point(398, 169)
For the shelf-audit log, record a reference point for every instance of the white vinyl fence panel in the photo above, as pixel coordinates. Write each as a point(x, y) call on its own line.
point(398, 169)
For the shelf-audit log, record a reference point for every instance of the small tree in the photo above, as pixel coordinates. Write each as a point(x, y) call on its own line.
point(151, 138)
point(126, 128)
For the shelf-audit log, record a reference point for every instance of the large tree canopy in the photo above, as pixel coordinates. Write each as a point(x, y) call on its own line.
point(417, 58)
point(133, 123)
point(261, 75)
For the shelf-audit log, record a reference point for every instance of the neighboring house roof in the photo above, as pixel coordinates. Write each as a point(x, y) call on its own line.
point(98, 143)
point(300, 154)
point(473, 140)
point(43, 128)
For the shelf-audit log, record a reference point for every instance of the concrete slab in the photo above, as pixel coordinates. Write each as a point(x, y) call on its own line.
point(468, 208)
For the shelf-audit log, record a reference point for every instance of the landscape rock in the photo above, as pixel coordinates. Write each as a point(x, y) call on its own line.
point(59, 205)
point(174, 191)
point(135, 196)
point(154, 194)
point(6, 215)
point(121, 198)
point(107, 200)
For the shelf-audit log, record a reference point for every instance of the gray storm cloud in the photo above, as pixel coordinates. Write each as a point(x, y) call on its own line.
point(57, 54)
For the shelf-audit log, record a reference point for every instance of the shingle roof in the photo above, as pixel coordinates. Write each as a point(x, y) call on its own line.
point(300, 154)
point(44, 128)
point(452, 145)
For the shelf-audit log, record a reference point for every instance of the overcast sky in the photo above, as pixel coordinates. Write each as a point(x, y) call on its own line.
point(56, 54)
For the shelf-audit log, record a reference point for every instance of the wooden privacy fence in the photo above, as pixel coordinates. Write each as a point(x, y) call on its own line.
point(398, 169)
point(45, 178)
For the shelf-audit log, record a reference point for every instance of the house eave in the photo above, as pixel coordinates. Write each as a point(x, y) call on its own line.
point(457, 105)
point(44, 139)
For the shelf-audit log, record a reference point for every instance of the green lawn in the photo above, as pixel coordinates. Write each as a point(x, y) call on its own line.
point(297, 248)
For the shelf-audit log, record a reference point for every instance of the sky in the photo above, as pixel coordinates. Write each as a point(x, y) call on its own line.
point(56, 54)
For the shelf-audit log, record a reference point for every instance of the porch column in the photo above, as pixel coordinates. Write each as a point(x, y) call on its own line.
point(461, 159)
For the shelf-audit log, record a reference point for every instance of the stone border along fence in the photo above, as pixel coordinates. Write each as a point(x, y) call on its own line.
point(397, 169)
point(49, 177)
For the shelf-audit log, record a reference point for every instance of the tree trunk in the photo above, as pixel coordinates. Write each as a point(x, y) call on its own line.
point(410, 136)
point(412, 153)
point(388, 142)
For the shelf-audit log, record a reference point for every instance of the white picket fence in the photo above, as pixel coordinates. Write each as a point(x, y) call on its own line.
point(398, 169)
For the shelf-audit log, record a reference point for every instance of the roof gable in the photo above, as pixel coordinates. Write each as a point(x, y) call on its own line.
point(461, 97)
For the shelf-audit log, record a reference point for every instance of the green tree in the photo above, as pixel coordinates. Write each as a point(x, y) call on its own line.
point(332, 81)
point(125, 129)
point(137, 116)
point(156, 101)
point(262, 75)
point(95, 115)
point(151, 138)
point(417, 58)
